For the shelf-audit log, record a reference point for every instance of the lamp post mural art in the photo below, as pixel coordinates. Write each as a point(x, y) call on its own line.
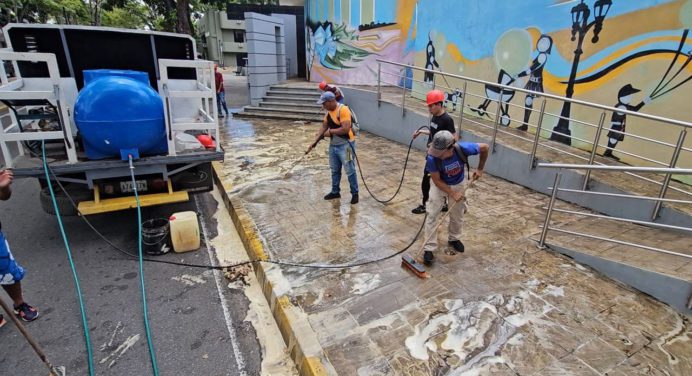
point(580, 27)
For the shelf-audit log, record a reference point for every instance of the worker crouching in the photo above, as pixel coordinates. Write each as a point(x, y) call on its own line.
point(445, 163)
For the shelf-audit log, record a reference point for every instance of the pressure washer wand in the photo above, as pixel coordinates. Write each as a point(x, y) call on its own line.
point(297, 162)
point(54, 371)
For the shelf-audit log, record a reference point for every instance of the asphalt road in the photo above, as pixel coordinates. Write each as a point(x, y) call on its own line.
point(192, 333)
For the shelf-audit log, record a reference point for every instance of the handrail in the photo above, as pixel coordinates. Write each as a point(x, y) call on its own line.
point(556, 188)
point(545, 95)
point(502, 106)
point(666, 170)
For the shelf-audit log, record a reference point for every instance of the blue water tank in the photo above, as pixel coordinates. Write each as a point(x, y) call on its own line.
point(117, 110)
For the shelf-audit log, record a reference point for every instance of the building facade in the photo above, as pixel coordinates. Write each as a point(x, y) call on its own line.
point(222, 40)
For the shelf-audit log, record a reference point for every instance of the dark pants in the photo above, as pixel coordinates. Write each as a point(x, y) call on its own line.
point(221, 99)
point(425, 186)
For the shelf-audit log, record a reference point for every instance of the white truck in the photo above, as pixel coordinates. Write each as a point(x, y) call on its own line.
point(41, 76)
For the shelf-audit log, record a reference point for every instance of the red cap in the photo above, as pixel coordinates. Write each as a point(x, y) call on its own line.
point(323, 85)
point(435, 96)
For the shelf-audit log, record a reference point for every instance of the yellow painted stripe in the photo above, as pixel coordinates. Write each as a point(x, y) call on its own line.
point(122, 203)
point(307, 365)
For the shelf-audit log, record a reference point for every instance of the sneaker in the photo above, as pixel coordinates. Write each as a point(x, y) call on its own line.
point(332, 195)
point(26, 312)
point(613, 157)
point(354, 199)
point(445, 208)
point(457, 245)
point(419, 210)
point(220, 115)
point(524, 127)
point(428, 258)
point(2, 321)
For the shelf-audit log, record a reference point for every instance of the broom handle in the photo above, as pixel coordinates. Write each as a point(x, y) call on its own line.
point(28, 337)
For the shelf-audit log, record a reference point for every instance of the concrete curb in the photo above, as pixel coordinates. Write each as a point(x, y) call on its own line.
point(301, 341)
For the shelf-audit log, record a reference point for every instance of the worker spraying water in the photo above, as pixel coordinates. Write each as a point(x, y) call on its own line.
point(342, 145)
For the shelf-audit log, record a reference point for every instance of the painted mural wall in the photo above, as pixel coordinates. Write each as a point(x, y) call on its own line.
point(633, 54)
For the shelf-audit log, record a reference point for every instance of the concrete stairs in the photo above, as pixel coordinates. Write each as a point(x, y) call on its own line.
point(286, 103)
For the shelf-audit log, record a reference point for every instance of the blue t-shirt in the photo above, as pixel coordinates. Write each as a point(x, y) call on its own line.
point(453, 168)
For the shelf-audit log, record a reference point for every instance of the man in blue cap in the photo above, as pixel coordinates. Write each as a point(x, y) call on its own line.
point(337, 126)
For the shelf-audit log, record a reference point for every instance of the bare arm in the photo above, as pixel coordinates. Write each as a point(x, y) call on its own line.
point(439, 183)
point(420, 132)
point(6, 177)
point(437, 179)
point(320, 134)
point(484, 149)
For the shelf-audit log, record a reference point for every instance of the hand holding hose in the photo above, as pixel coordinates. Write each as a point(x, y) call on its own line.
point(312, 146)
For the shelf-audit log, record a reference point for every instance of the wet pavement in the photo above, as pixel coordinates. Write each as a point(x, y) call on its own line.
point(201, 322)
point(502, 307)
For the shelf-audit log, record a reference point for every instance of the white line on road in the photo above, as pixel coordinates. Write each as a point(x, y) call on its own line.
point(240, 361)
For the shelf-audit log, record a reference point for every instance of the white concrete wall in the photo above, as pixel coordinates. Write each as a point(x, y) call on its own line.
point(291, 43)
point(266, 53)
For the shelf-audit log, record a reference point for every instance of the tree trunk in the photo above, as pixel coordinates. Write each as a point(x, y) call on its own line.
point(95, 13)
point(183, 15)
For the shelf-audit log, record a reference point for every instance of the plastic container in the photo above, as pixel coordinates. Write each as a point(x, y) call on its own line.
point(185, 142)
point(118, 111)
point(184, 231)
point(156, 236)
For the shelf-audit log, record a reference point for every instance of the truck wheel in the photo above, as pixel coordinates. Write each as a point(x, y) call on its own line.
point(63, 202)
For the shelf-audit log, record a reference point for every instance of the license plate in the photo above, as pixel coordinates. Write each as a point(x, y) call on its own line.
point(126, 186)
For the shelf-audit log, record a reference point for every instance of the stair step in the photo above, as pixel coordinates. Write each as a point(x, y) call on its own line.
point(292, 88)
point(314, 106)
point(288, 99)
point(266, 115)
point(283, 110)
point(297, 92)
point(291, 94)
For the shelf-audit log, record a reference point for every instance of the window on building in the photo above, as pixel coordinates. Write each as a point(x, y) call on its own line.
point(239, 36)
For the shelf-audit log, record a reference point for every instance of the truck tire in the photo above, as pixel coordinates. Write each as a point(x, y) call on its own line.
point(63, 202)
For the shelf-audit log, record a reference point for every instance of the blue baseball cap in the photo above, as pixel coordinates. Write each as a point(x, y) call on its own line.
point(326, 97)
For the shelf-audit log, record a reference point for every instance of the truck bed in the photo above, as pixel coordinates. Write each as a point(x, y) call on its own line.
point(27, 166)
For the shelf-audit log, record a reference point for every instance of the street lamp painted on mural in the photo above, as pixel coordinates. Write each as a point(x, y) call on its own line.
point(580, 27)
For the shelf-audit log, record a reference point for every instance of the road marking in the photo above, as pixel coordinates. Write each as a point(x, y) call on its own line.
point(120, 351)
point(118, 329)
point(240, 361)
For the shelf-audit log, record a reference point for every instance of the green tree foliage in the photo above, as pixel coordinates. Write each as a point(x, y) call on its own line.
point(164, 15)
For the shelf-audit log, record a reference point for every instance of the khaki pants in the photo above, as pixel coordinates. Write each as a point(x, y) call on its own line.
point(434, 207)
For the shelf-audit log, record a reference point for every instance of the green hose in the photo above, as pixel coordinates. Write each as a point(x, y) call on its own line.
point(85, 326)
point(150, 342)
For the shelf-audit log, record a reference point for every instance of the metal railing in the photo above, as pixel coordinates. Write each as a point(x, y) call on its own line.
point(555, 189)
point(384, 78)
point(204, 114)
point(34, 92)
